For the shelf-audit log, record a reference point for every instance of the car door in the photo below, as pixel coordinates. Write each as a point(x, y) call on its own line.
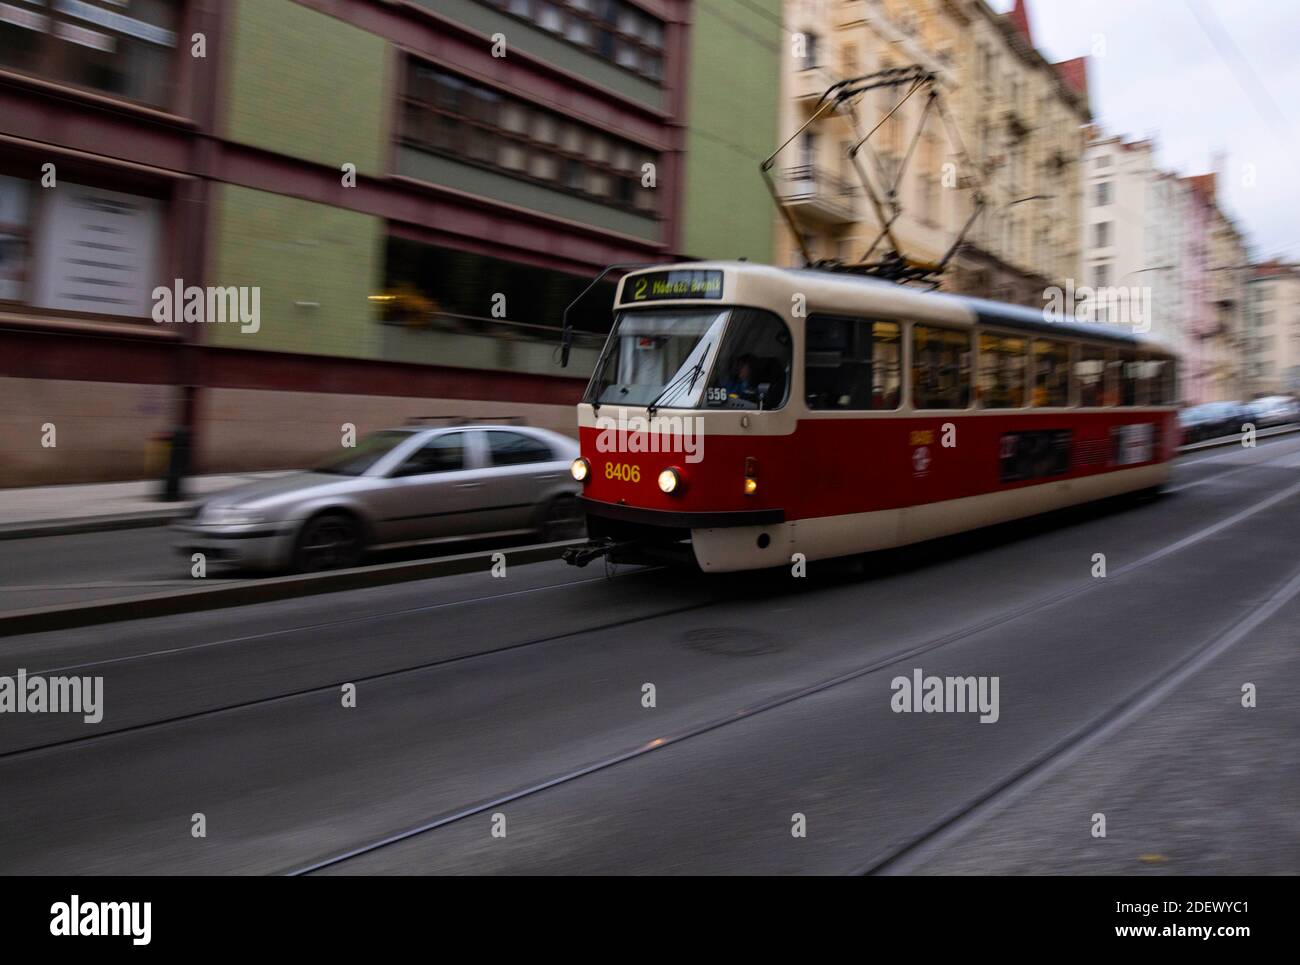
point(433, 493)
point(520, 467)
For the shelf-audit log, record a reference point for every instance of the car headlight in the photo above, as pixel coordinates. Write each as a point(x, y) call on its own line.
point(670, 480)
point(580, 469)
point(232, 516)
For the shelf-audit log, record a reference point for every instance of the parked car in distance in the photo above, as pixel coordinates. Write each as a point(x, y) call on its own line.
point(1274, 410)
point(395, 487)
point(1212, 420)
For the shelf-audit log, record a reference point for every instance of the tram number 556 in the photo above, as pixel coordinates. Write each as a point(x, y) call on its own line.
point(623, 471)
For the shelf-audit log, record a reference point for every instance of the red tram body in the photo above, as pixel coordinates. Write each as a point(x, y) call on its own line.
point(745, 414)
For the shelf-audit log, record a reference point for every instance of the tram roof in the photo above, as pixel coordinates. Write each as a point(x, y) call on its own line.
point(992, 312)
point(977, 310)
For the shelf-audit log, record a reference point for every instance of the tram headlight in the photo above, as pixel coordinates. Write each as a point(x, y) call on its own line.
point(670, 480)
point(751, 485)
point(580, 469)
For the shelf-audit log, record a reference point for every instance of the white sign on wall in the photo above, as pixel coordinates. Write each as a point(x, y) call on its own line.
point(97, 251)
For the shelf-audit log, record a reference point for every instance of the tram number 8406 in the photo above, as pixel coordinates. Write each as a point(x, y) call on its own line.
point(623, 471)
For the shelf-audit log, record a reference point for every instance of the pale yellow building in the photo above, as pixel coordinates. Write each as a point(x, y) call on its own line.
point(1018, 117)
point(1272, 344)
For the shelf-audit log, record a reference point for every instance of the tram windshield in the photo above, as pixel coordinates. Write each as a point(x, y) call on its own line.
point(658, 358)
point(694, 359)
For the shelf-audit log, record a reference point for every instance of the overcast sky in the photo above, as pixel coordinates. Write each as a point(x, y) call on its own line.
point(1235, 89)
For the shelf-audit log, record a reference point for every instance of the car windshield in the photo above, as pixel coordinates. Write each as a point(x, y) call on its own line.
point(368, 451)
point(658, 358)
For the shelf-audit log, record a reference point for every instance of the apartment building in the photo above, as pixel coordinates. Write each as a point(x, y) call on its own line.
point(1272, 351)
point(1017, 116)
point(1165, 242)
point(414, 188)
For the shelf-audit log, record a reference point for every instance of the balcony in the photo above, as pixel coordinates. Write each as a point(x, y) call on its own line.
point(807, 86)
point(818, 195)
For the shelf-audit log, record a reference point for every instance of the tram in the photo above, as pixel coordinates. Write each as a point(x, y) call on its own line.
point(740, 414)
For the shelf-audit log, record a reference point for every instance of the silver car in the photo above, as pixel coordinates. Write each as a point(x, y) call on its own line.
point(395, 487)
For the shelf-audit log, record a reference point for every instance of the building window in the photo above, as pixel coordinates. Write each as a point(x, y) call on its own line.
point(1102, 274)
point(849, 56)
point(811, 53)
point(1102, 196)
point(83, 249)
point(427, 287)
point(448, 115)
point(1101, 236)
point(1103, 161)
point(107, 46)
point(613, 30)
point(852, 364)
point(940, 368)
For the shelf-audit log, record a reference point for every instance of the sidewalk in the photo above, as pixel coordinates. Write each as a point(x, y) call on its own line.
point(53, 510)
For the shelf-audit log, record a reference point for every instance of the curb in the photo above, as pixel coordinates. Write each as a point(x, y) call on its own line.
point(45, 619)
point(89, 524)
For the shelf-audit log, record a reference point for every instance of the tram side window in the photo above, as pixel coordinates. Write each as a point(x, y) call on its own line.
point(1123, 371)
point(852, 363)
point(1090, 374)
point(1168, 382)
point(1051, 373)
point(940, 368)
point(1156, 381)
point(1001, 371)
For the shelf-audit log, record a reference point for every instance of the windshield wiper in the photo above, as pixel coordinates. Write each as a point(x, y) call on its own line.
point(694, 373)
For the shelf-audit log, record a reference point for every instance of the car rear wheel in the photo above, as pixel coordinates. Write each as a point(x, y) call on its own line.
point(561, 520)
point(328, 542)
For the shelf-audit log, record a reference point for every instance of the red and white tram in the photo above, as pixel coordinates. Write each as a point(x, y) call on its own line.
point(743, 413)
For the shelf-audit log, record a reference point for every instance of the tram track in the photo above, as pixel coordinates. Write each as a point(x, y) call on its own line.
point(517, 646)
point(961, 820)
point(334, 685)
point(1129, 707)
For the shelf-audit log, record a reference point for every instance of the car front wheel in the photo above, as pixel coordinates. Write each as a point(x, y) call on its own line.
point(327, 542)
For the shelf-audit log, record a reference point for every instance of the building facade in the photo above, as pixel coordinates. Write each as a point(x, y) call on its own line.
point(1018, 138)
point(1165, 242)
point(1272, 345)
point(414, 190)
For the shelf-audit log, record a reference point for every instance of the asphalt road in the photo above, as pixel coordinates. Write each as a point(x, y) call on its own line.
point(523, 697)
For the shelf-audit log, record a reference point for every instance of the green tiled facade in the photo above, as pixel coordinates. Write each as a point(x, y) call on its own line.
point(307, 85)
point(734, 82)
point(315, 264)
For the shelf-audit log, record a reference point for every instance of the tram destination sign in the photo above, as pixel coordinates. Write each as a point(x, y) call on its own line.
point(655, 286)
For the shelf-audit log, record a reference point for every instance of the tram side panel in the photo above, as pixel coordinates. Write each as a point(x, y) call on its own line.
point(853, 485)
